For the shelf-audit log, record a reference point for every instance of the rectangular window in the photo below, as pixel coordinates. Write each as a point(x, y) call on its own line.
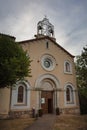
point(47, 45)
point(20, 94)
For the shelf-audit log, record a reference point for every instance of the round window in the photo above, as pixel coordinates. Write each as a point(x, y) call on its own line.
point(48, 62)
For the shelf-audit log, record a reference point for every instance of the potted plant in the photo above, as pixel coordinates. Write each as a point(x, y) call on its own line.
point(40, 112)
point(57, 111)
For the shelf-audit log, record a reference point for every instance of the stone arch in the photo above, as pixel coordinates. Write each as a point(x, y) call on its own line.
point(49, 79)
point(26, 83)
point(70, 84)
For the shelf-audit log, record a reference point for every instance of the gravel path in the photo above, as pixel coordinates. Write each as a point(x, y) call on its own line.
point(46, 122)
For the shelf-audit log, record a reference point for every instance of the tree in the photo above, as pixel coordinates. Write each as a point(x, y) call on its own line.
point(81, 72)
point(14, 64)
point(81, 69)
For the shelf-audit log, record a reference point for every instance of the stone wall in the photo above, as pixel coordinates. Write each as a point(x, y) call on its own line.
point(20, 114)
point(74, 111)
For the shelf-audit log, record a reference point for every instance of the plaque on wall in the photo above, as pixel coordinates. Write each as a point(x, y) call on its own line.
point(42, 100)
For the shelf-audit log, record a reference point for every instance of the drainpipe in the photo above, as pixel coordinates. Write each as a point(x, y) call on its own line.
point(39, 99)
point(56, 98)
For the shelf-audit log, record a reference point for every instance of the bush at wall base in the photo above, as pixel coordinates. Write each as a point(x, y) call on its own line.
point(40, 112)
point(57, 111)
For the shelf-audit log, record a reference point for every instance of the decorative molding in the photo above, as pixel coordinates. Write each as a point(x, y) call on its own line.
point(26, 97)
point(48, 62)
point(51, 79)
point(72, 95)
point(70, 67)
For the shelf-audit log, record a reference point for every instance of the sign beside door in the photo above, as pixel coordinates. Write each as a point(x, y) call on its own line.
point(42, 100)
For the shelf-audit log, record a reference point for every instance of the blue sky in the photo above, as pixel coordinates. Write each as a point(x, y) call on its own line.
point(69, 17)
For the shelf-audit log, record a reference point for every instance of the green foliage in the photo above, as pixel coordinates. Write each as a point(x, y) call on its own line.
point(81, 72)
point(81, 69)
point(14, 64)
point(57, 111)
point(40, 112)
point(83, 103)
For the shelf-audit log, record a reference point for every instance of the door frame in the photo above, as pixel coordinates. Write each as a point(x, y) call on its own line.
point(47, 101)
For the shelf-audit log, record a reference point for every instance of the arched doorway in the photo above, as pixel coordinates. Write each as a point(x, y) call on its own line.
point(47, 95)
point(47, 101)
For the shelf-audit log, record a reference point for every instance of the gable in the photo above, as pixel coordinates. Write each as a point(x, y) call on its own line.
point(46, 39)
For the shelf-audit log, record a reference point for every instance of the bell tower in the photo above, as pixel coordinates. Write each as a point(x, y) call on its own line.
point(45, 28)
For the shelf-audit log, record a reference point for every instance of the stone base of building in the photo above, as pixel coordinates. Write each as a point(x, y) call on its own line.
point(74, 111)
point(17, 114)
point(20, 114)
point(4, 116)
point(30, 114)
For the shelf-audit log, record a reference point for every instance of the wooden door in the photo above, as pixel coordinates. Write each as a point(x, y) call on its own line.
point(47, 101)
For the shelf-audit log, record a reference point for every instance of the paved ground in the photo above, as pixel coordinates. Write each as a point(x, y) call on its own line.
point(46, 122)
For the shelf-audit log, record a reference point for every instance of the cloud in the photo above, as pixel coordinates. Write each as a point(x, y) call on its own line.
point(20, 17)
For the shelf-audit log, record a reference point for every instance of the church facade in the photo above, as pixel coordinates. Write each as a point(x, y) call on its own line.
point(53, 82)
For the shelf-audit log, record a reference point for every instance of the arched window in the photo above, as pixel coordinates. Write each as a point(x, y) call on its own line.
point(67, 67)
point(69, 94)
point(20, 94)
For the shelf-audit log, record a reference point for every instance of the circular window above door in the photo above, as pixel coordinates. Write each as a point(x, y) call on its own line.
point(48, 62)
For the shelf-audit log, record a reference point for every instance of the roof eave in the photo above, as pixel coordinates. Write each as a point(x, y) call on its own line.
point(46, 37)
